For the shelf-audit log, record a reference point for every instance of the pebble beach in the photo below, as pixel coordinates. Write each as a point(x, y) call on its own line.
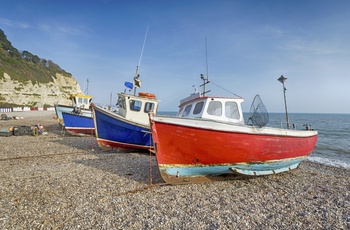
point(58, 181)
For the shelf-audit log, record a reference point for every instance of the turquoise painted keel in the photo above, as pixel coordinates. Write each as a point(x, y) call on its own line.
point(253, 169)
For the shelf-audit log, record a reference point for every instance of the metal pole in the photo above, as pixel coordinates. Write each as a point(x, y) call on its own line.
point(282, 79)
point(203, 78)
point(110, 103)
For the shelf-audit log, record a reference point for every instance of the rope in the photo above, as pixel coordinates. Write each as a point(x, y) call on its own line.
point(93, 130)
point(150, 158)
point(142, 189)
point(43, 156)
point(225, 89)
point(63, 131)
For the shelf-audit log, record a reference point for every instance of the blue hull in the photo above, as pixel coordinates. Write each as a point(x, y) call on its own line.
point(115, 132)
point(78, 124)
point(59, 109)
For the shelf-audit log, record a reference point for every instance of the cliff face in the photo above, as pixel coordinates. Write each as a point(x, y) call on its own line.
point(38, 94)
point(28, 80)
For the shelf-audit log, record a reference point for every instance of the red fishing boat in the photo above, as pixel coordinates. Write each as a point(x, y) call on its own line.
point(209, 140)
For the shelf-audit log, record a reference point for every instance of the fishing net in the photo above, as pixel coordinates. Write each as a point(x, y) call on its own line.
point(258, 115)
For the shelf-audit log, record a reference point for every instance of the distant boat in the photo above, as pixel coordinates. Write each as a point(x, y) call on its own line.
point(78, 125)
point(209, 140)
point(80, 105)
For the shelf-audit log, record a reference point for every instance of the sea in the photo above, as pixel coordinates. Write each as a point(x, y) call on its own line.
point(333, 143)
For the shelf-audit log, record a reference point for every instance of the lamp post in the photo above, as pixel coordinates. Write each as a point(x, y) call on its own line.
point(282, 79)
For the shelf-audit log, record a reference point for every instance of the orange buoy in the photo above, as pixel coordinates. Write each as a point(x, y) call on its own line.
point(147, 95)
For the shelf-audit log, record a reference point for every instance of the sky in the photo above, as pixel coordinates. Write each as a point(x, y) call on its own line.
point(243, 47)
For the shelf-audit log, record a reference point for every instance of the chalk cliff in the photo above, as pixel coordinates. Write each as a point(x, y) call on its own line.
point(28, 80)
point(38, 94)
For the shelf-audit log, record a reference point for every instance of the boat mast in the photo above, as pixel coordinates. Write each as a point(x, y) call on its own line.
point(205, 79)
point(86, 91)
point(110, 102)
point(282, 79)
point(137, 82)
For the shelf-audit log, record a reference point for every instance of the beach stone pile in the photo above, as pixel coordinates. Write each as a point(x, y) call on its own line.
point(58, 181)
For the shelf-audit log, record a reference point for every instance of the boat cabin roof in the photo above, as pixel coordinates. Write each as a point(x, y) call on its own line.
point(81, 101)
point(79, 95)
point(136, 108)
point(215, 108)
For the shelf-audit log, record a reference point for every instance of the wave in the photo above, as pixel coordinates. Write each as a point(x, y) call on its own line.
point(330, 149)
point(330, 162)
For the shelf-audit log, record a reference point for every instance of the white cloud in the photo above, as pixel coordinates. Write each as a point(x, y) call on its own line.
point(15, 24)
point(273, 31)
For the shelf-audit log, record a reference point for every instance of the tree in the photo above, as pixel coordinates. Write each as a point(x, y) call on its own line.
point(6, 45)
point(27, 55)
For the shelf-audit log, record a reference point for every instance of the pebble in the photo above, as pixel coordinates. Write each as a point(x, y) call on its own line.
point(57, 181)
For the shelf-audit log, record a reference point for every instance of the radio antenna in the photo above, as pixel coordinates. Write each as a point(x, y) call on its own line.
point(205, 79)
point(206, 57)
point(143, 46)
point(137, 82)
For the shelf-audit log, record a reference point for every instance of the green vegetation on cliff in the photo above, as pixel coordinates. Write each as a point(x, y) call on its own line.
point(25, 66)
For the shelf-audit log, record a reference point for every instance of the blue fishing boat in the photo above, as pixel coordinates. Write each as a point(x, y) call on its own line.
point(80, 105)
point(127, 129)
point(78, 125)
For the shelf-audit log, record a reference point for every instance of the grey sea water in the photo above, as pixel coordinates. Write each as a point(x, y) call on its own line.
point(333, 143)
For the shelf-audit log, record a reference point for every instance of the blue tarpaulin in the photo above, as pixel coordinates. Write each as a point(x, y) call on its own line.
point(128, 85)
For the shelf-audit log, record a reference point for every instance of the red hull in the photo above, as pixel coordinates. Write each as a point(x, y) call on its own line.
point(189, 145)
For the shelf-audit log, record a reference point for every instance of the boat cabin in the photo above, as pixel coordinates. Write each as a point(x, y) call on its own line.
point(214, 108)
point(136, 108)
point(81, 101)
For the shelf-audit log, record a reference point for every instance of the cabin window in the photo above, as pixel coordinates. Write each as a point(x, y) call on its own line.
point(149, 107)
point(231, 110)
point(198, 108)
point(187, 110)
point(121, 102)
point(80, 101)
point(215, 108)
point(135, 105)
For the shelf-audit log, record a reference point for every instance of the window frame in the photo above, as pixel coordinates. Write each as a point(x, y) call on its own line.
point(213, 110)
point(133, 105)
point(186, 111)
point(197, 111)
